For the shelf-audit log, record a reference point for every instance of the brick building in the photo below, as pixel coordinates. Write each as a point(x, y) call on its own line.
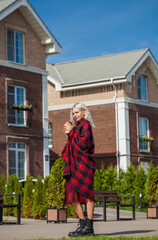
point(121, 91)
point(25, 42)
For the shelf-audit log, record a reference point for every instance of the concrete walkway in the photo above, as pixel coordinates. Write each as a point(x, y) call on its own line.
point(33, 229)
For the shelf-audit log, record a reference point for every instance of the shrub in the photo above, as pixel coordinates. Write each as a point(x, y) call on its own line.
point(38, 209)
point(129, 179)
point(121, 182)
point(139, 187)
point(98, 178)
point(55, 188)
point(28, 197)
point(55, 193)
point(2, 183)
point(110, 179)
point(151, 187)
point(105, 179)
point(13, 186)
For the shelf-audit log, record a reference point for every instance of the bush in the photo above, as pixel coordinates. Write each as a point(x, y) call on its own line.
point(2, 183)
point(105, 179)
point(129, 180)
point(28, 197)
point(110, 180)
point(55, 188)
point(13, 186)
point(139, 187)
point(55, 193)
point(99, 178)
point(121, 182)
point(38, 209)
point(151, 187)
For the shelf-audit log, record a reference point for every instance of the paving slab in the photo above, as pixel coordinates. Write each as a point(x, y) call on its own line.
point(34, 229)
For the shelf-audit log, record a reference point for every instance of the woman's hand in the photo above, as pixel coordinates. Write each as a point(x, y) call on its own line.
point(68, 127)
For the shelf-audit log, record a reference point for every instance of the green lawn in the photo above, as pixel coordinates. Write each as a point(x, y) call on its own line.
point(101, 238)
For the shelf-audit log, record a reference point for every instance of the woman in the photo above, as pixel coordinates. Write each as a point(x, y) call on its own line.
point(79, 167)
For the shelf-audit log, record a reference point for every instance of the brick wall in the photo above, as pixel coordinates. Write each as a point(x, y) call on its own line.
point(33, 134)
point(34, 51)
point(130, 89)
point(136, 111)
point(82, 95)
point(104, 133)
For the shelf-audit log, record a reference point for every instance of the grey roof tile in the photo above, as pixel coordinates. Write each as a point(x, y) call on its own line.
point(5, 3)
point(94, 69)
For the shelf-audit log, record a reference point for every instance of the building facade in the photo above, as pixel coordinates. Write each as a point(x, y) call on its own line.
point(121, 91)
point(25, 42)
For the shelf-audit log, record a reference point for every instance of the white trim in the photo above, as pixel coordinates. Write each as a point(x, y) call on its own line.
point(88, 104)
point(103, 82)
point(55, 83)
point(120, 78)
point(50, 38)
point(56, 48)
point(140, 62)
point(46, 164)
point(102, 102)
point(17, 150)
point(139, 102)
point(123, 135)
point(58, 74)
point(23, 67)
point(11, 8)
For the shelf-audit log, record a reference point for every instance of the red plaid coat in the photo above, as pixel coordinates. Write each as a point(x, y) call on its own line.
point(78, 154)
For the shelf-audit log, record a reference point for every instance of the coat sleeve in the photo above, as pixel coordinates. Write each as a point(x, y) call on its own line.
point(86, 137)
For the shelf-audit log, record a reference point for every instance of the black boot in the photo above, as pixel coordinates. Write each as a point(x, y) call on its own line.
point(81, 224)
point(87, 229)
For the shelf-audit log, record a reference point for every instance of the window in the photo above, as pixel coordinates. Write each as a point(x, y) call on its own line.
point(17, 159)
point(142, 88)
point(15, 46)
point(50, 135)
point(16, 95)
point(145, 166)
point(143, 131)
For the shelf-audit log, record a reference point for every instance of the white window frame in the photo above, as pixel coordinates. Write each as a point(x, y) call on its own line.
point(50, 135)
point(23, 53)
point(16, 111)
point(145, 166)
point(147, 148)
point(17, 150)
point(143, 80)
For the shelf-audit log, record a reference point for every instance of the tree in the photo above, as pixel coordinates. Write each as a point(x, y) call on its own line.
point(2, 183)
point(55, 193)
point(151, 187)
point(28, 197)
point(38, 209)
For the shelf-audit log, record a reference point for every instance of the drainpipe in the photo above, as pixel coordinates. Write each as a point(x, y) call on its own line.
point(116, 121)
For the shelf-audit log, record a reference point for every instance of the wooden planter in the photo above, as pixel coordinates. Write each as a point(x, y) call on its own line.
point(152, 212)
point(56, 215)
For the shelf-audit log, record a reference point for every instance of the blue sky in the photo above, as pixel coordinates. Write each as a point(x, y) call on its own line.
point(91, 28)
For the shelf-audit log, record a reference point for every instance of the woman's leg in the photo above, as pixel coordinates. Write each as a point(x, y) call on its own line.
point(79, 210)
point(90, 208)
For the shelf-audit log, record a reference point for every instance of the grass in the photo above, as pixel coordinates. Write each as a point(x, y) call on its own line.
point(100, 238)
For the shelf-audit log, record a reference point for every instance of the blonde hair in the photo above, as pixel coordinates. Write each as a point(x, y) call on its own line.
point(81, 107)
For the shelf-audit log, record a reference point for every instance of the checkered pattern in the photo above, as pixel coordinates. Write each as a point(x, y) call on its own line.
point(79, 159)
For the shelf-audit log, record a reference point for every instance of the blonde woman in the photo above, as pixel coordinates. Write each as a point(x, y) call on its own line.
point(78, 154)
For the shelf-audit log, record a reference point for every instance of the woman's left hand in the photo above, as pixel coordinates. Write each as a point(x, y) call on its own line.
point(68, 127)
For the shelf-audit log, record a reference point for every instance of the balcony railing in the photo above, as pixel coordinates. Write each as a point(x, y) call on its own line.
point(19, 117)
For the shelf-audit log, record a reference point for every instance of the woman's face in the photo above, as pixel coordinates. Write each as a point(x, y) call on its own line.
point(78, 115)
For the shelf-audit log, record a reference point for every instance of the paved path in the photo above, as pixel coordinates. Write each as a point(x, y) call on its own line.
point(31, 229)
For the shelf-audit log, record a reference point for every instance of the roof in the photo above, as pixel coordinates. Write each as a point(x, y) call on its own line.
point(47, 38)
point(99, 70)
point(5, 3)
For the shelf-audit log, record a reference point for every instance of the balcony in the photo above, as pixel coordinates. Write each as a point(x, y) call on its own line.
point(19, 116)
